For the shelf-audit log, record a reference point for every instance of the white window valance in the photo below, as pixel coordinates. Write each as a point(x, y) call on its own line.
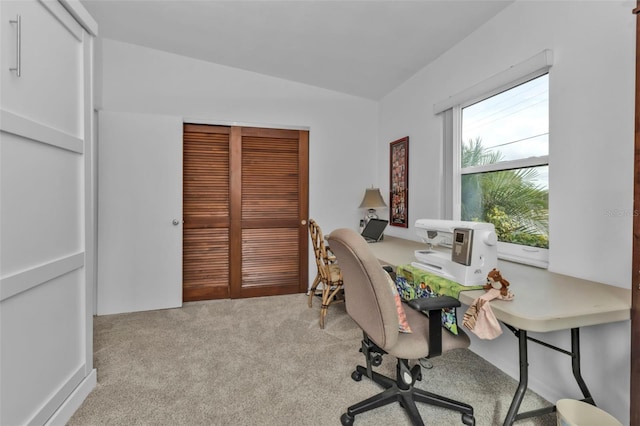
point(521, 72)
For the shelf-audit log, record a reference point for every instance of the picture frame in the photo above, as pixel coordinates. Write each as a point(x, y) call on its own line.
point(399, 182)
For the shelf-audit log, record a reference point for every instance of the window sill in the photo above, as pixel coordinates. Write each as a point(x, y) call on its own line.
point(532, 256)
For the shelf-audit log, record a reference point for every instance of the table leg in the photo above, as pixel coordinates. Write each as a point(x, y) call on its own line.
point(575, 365)
point(524, 378)
point(512, 414)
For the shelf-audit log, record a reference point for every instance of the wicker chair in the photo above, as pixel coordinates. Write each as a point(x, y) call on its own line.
point(329, 274)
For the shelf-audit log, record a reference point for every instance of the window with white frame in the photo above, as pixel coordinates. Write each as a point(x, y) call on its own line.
point(502, 170)
point(496, 157)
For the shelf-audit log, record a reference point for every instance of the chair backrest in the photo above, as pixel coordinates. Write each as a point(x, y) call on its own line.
point(368, 296)
point(319, 249)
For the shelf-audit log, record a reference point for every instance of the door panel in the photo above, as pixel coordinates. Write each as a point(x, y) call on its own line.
point(206, 212)
point(270, 178)
point(140, 196)
point(40, 199)
point(273, 213)
point(265, 271)
point(206, 263)
point(50, 85)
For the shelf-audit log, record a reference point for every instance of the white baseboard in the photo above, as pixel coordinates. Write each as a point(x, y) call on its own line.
point(74, 401)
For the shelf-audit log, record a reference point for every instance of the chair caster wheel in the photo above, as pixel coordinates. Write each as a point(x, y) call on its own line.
point(356, 376)
point(346, 419)
point(467, 419)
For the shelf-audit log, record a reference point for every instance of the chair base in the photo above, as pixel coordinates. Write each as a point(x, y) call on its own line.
point(405, 393)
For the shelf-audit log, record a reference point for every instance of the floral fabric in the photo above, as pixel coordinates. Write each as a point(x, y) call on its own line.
point(414, 282)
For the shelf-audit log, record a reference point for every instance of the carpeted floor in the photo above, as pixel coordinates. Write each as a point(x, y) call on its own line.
point(265, 361)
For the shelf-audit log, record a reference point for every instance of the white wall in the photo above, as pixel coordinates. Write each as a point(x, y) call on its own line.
point(591, 163)
point(342, 127)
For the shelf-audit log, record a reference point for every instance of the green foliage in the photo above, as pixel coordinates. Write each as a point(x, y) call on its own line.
point(511, 231)
point(509, 199)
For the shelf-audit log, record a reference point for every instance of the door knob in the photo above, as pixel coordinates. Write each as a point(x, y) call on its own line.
point(303, 222)
point(175, 222)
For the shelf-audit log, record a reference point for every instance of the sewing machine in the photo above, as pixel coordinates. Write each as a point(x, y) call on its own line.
point(459, 251)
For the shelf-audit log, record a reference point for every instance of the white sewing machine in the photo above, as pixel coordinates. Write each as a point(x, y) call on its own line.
point(459, 251)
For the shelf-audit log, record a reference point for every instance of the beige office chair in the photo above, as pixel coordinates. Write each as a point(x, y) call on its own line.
point(329, 274)
point(371, 302)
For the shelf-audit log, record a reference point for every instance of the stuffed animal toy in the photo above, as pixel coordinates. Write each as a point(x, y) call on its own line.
point(494, 277)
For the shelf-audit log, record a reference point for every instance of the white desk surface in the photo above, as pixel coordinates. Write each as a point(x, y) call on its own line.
point(544, 301)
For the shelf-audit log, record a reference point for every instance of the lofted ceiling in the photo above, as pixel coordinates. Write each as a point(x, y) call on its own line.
point(364, 48)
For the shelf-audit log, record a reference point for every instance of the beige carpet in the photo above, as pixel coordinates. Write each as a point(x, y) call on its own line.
point(264, 361)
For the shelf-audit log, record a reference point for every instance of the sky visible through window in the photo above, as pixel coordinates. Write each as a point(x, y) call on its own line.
point(514, 122)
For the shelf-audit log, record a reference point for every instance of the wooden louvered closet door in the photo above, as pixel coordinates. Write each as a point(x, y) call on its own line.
point(205, 253)
point(245, 211)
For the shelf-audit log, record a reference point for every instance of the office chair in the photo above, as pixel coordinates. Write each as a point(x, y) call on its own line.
point(329, 273)
point(371, 302)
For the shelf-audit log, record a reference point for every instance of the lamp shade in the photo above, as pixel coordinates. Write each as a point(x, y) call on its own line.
point(372, 199)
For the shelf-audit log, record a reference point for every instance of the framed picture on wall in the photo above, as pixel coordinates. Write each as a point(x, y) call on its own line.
point(399, 183)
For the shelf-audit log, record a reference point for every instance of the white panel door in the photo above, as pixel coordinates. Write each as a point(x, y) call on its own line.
point(46, 347)
point(139, 212)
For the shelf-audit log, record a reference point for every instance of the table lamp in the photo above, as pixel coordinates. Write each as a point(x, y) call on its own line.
point(372, 199)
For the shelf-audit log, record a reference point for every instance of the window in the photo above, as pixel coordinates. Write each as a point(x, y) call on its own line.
point(501, 167)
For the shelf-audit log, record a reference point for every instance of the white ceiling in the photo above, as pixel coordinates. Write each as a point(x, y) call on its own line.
point(364, 47)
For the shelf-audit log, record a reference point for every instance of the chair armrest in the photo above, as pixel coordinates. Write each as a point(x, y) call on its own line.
point(433, 303)
point(434, 306)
